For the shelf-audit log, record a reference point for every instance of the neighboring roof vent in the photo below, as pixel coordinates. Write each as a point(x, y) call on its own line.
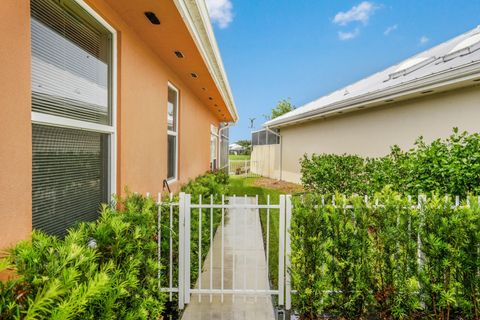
point(411, 65)
point(464, 47)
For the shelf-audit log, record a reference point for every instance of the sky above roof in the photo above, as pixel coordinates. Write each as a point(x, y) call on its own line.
point(304, 49)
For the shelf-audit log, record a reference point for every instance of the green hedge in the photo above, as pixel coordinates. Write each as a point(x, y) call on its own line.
point(106, 269)
point(102, 270)
point(448, 166)
point(355, 260)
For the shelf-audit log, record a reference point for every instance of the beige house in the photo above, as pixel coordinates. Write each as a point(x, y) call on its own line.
point(426, 95)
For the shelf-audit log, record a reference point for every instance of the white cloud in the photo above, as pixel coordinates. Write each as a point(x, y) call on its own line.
point(348, 35)
point(424, 40)
point(390, 29)
point(220, 12)
point(360, 13)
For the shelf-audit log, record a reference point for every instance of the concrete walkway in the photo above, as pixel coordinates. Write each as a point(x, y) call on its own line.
point(244, 267)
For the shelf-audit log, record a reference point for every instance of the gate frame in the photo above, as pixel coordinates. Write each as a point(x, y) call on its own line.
point(184, 260)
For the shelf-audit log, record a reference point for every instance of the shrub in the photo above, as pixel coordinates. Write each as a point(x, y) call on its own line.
point(448, 166)
point(327, 173)
point(351, 258)
point(106, 269)
point(101, 270)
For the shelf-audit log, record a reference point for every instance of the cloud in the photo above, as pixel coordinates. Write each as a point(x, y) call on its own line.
point(424, 40)
point(390, 29)
point(220, 12)
point(360, 13)
point(348, 35)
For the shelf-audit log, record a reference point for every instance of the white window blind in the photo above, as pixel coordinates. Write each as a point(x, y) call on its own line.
point(71, 79)
point(69, 177)
point(213, 147)
point(70, 55)
point(172, 133)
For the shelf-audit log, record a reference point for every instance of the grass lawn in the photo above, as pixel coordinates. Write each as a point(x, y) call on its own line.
point(239, 157)
point(264, 187)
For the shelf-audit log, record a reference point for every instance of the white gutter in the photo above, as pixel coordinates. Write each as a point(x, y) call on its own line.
point(416, 86)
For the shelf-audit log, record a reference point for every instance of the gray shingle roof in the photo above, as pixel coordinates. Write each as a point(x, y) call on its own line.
point(436, 62)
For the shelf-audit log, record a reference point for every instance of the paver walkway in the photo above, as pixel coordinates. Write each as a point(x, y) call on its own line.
point(244, 256)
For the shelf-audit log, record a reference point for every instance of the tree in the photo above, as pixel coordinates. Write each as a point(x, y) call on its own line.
point(283, 106)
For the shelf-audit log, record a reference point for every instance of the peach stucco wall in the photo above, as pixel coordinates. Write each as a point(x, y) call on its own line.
point(15, 126)
point(142, 113)
point(141, 118)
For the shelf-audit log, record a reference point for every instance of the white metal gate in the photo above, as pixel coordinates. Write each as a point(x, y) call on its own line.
point(208, 253)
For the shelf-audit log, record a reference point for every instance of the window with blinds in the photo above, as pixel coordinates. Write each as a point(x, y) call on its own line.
point(213, 147)
point(172, 133)
point(71, 79)
point(69, 173)
point(70, 59)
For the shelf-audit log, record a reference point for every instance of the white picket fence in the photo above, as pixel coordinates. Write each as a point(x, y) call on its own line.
point(175, 221)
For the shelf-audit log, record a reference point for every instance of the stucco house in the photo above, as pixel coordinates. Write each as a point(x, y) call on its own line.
point(99, 95)
point(425, 95)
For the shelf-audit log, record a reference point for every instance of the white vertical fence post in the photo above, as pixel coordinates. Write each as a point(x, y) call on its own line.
point(181, 251)
point(257, 231)
point(223, 247)
point(200, 247)
point(420, 258)
point(170, 257)
point(188, 200)
point(288, 283)
point(211, 246)
point(281, 251)
point(234, 252)
point(159, 238)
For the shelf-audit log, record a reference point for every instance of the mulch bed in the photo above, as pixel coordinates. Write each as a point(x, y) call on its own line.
point(282, 186)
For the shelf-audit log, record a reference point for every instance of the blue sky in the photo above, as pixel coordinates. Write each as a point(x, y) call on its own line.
point(303, 49)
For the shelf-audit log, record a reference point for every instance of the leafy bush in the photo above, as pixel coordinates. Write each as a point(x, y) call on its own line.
point(448, 166)
point(353, 258)
point(106, 269)
point(207, 187)
point(328, 172)
point(101, 270)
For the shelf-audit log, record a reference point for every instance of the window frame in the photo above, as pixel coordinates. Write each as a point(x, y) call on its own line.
point(173, 133)
point(214, 135)
point(110, 130)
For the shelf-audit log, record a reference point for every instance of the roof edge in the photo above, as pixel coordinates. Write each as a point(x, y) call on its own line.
point(195, 15)
point(450, 77)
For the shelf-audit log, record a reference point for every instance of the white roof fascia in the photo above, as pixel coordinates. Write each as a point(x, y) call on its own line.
point(435, 81)
point(197, 20)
